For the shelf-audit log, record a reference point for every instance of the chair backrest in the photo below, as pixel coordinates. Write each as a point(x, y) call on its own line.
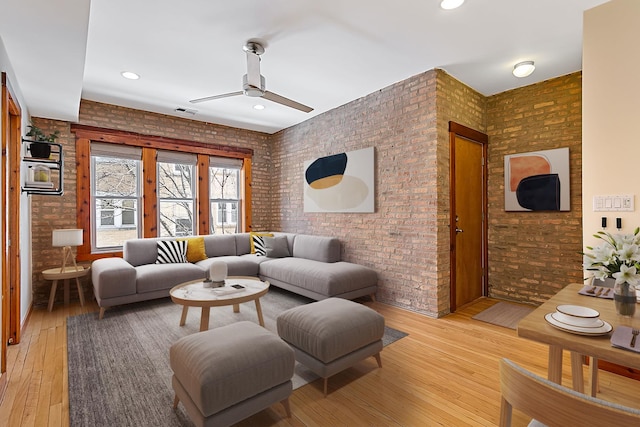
point(555, 405)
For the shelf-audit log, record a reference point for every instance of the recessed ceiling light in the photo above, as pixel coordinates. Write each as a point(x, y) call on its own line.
point(523, 69)
point(258, 107)
point(130, 75)
point(451, 4)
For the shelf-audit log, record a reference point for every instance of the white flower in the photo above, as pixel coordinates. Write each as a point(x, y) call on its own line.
point(617, 256)
point(626, 274)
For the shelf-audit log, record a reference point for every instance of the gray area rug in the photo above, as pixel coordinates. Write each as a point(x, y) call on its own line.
point(504, 314)
point(119, 373)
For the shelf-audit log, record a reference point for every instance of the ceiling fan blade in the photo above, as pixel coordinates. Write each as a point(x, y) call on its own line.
point(286, 101)
point(209, 98)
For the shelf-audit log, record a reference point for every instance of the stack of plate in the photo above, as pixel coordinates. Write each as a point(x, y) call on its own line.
point(578, 320)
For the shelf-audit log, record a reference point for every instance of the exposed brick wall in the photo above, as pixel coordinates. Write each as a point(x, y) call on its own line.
point(398, 239)
point(406, 239)
point(532, 255)
point(50, 212)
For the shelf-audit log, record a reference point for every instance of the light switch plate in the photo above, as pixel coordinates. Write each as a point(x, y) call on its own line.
point(614, 203)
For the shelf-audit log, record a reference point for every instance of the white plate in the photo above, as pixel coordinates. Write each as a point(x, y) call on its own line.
point(569, 321)
point(577, 311)
point(603, 330)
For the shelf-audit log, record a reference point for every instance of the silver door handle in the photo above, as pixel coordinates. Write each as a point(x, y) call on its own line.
point(458, 230)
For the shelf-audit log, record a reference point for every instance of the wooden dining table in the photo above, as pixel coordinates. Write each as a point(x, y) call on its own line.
point(536, 328)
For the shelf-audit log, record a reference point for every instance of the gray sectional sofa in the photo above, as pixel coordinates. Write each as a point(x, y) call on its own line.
point(313, 269)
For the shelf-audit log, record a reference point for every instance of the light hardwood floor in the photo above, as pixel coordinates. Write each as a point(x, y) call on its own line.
point(444, 373)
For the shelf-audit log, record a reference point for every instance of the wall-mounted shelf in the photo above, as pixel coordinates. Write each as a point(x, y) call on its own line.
point(55, 164)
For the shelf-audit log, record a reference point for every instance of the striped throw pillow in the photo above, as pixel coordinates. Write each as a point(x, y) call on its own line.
point(257, 243)
point(171, 251)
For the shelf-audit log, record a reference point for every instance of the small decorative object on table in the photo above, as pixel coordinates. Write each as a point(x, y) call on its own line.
point(217, 274)
point(617, 257)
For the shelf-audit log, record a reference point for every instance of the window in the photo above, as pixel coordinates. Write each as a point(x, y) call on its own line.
point(115, 195)
point(224, 195)
point(133, 186)
point(176, 193)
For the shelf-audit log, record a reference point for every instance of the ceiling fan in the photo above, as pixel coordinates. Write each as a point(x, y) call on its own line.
point(253, 83)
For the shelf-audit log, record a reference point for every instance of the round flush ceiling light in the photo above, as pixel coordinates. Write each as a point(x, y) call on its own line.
point(523, 69)
point(258, 107)
point(451, 4)
point(130, 75)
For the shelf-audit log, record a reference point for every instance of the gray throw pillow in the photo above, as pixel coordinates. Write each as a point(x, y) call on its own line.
point(276, 247)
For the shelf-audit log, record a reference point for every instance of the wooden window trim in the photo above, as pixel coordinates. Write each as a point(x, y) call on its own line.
point(150, 145)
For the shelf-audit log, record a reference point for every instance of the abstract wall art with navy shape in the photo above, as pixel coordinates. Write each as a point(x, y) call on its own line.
point(537, 181)
point(342, 182)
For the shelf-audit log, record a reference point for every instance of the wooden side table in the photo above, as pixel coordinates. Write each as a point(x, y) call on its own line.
point(72, 272)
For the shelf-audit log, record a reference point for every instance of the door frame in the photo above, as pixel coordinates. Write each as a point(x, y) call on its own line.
point(457, 130)
point(10, 236)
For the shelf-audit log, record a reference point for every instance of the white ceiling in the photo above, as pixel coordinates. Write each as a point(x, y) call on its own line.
point(320, 53)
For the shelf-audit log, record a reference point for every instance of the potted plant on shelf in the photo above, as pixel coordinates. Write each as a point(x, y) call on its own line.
point(40, 147)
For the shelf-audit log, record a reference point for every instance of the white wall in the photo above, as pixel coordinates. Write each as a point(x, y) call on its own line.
point(26, 294)
point(611, 112)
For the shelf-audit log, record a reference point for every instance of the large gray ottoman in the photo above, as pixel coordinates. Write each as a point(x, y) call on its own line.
point(229, 373)
point(331, 335)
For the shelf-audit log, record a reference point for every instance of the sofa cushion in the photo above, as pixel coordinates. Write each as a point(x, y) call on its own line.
point(317, 248)
point(245, 265)
point(140, 251)
point(320, 277)
point(153, 277)
point(220, 245)
point(195, 249)
point(257, 243)
point(276, 247)
point(243, 243)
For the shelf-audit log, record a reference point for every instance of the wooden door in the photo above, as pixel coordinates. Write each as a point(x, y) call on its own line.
point(468, 214)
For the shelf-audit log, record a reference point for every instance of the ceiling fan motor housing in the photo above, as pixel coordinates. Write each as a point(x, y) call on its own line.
point(251, 90)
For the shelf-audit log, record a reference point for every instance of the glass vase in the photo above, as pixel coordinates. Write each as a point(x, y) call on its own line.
point(624, 296)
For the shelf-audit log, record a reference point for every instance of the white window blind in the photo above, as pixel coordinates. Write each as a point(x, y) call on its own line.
point(225, 163)
point(176, 157)
point(100, 149)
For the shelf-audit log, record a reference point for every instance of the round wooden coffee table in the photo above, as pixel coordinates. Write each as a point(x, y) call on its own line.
point(194, 294)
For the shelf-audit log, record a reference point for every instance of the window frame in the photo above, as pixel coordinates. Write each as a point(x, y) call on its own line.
point(237, 200)
point(173, 171)
point(150, 145)
point(96, 224)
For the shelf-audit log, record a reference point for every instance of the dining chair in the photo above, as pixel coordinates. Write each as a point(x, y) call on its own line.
point(551, 404)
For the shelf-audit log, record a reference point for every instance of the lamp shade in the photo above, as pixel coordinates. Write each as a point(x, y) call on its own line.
point(218, 271)
point(67, 237)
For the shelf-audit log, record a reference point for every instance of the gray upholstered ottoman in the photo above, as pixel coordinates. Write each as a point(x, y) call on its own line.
point(226, 374)
point(331, 335)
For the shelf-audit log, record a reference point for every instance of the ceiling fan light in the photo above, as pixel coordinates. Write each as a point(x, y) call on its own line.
point(130, 75)
point(451, 4)
point(258, 107)
point(523, 69)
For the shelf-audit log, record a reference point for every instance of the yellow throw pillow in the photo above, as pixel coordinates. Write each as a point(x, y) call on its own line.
point(195, 249)
point(257, 244)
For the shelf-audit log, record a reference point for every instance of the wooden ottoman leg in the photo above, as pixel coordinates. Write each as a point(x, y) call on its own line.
point(378, 359)
point(326, 382)
point(176, 400)
point(287, 407)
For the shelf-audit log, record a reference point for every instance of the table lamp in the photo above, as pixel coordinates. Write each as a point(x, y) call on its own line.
point(65, 239)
